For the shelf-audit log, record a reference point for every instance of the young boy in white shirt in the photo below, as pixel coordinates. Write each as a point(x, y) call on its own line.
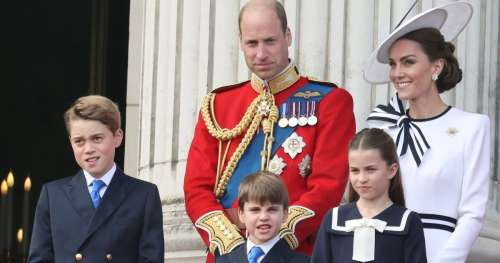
point(263, 208)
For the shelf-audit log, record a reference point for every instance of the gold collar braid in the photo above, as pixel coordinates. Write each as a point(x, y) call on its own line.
point(282, 81)
point(263, 111)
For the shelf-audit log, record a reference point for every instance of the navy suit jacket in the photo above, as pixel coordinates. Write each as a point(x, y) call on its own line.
point(127, 226)
point(279, 253)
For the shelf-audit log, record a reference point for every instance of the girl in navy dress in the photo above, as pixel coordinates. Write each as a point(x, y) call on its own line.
point(375, 226)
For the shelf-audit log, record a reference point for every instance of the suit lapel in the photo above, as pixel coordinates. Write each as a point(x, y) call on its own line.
point(240, 255)
point(113, 197)
point(78, 194)
point(278, 253)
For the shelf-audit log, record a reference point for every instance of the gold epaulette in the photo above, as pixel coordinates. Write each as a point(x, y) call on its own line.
point(295, 215)
point(229, 87)
point(223, 235)
point(321, 82)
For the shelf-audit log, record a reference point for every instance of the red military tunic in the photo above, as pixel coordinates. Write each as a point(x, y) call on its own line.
point(326, 144)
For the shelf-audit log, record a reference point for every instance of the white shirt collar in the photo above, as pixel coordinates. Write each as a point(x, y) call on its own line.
point(266, 246)
point(106, 178)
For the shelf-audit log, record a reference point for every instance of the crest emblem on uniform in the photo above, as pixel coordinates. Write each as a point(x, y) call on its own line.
point(307, 94)
point(293, 145)
point(264, 108)
point(276, 165)
point(305, 166)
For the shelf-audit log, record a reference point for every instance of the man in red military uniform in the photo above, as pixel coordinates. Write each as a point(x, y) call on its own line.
point(297, 128)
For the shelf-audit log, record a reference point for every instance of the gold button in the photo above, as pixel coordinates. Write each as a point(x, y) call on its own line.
point(109, 257)
point(78, 257)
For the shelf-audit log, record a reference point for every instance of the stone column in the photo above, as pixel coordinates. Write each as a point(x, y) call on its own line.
point(164, 90)
point(181, 49)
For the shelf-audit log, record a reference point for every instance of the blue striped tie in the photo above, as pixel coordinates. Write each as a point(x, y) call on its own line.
point(255, 253)
point(94, 194)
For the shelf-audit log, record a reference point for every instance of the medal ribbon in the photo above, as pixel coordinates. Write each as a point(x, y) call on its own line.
point(250, 161)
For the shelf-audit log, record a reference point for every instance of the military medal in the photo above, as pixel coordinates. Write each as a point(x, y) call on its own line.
point(276, 165)
point(293, 121)
point(263, 108)
point(283, 122)
point(293, 145)
point(305, 166)
point(302, 118)
point(302, 121)
point(312, 120)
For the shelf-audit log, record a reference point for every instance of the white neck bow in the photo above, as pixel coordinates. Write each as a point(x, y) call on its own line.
point(363, 248)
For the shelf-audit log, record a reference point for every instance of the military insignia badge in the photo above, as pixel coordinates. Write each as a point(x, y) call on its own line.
point(263, 108)
point(276, 165)
point(293, 145)
point(305, 166)
point(307, 94)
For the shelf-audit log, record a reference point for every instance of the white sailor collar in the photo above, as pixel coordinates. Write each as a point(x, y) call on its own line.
point(396, 217)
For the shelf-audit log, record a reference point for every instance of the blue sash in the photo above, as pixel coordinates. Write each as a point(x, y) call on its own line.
point(250, 161)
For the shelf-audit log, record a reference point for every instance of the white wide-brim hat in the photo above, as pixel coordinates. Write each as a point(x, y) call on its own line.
point(449, 19)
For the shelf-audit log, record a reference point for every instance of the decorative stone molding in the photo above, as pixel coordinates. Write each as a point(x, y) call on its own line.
point(181, 49)
point(181, 240)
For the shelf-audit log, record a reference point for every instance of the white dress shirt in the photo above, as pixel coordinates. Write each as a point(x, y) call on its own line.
point(106, 178)
point(266, 246)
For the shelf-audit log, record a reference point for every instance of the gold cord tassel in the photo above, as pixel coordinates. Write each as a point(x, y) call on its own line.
point(273, 117)
point(262, 111)
point(267, 129)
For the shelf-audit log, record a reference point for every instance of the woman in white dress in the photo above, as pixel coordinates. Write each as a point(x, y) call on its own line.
point(444, 151)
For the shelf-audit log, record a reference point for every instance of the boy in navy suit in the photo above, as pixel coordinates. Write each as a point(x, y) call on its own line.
point(100, 214)
point(262, 208)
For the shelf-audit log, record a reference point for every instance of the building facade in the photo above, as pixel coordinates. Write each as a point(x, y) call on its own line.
point(181, 49)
